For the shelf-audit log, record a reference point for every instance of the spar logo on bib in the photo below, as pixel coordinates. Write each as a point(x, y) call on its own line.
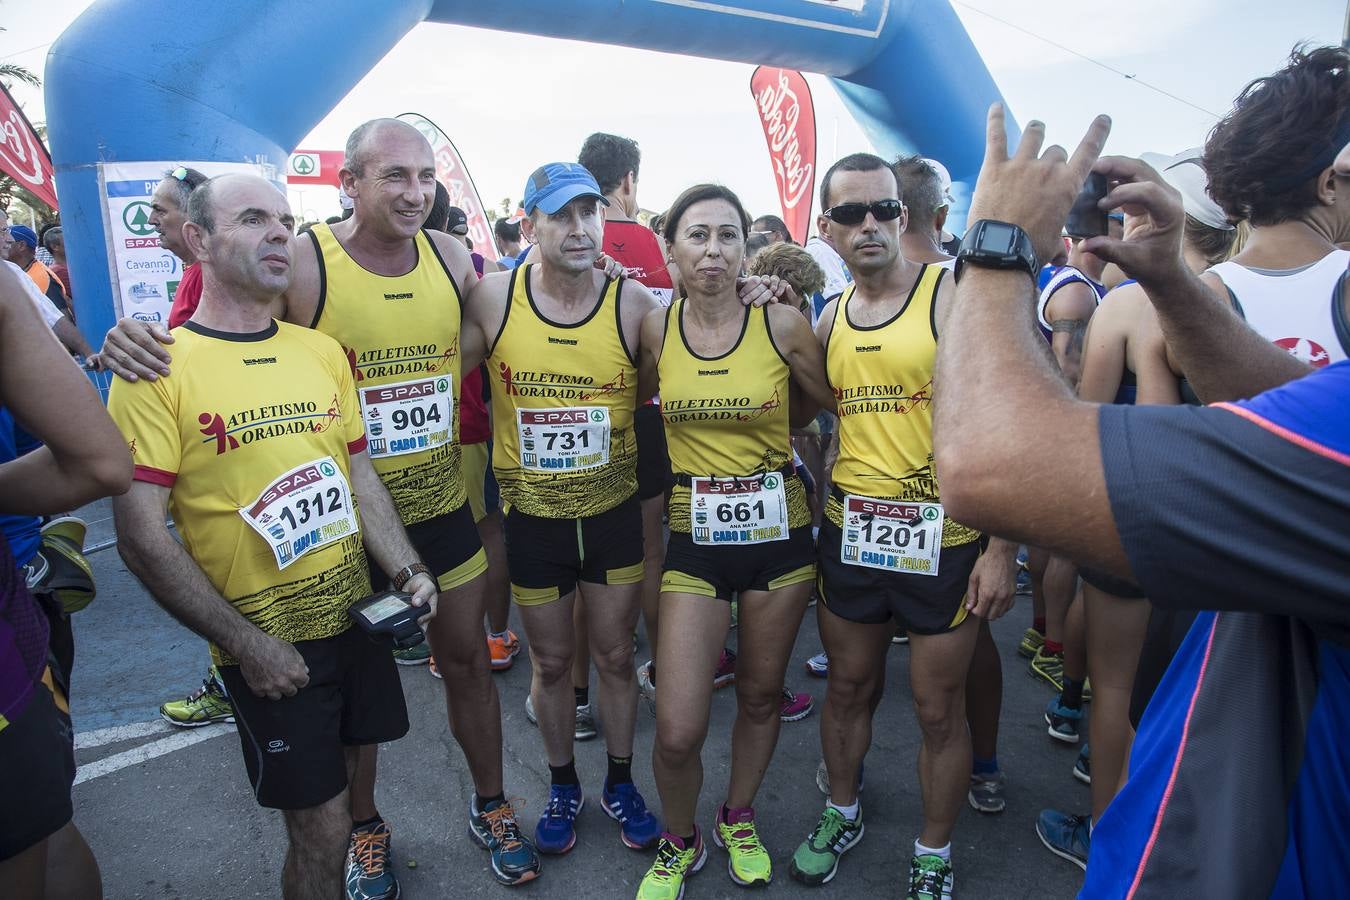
point(1305, 350)
point(771, 482)
point(930, 513)
point(328, 469)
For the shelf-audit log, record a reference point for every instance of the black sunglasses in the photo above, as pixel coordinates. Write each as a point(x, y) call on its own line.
point(854, 213)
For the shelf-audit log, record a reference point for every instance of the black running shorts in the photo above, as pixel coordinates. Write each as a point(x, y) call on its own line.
point(448, 544)
point(722, 571)
point(926, 604)
point(547, 557)
point(38, 750)
point(294, 748)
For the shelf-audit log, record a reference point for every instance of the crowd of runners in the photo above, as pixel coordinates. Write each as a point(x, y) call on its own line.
point(699, 424)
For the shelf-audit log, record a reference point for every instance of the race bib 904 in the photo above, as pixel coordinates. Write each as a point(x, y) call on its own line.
point(892, 535)
point(409, 416)
point(565, 439)
point(749, 510)
point(307, 508)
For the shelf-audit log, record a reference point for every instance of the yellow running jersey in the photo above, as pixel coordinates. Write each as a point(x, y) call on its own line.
point(882, 377)
point(251, 434)
point(727, 415)
point(401, 337)
point(562, 407)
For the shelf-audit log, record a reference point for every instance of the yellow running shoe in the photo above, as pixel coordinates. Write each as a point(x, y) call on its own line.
point(748, 862)
point(204, 706)
point(674, 863)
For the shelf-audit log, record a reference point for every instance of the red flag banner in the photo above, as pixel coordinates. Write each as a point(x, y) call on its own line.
point(451, 172)
point(783, 100)
point(23, 156)
point(315, 167)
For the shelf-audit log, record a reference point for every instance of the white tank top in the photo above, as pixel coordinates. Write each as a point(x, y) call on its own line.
point(1294, 309)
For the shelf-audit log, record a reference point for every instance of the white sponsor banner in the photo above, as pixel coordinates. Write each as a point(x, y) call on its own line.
point(145, 274)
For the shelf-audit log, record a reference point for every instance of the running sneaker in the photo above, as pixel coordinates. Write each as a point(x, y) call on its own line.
point(1082, 767)
point(796, 706)
point(1049, 666)
point(986, 793)
point(638, 828)
point(503, 649)
point(494, 829)
point(901, 635)
point(726, 669)
point(823, 778)
point(433, 669)
point(584, 728)
point(674, 863)
point(748, 862)
point(1031, 643)
point(818, 665)
point(646, 684)
point(930, 878)
point(413, 656)
point(817, 859)
point(370, 873)
point(1062, 721)
point(1068, 837)
point(209, 703)
point(555, 832)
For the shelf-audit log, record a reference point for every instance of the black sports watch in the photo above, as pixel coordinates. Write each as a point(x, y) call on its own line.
point(997, 245)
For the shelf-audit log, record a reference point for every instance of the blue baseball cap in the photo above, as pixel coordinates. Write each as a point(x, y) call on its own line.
point(25, 234)
point(551, 187)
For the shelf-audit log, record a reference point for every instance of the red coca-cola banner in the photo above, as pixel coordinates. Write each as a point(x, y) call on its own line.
point(23, 156)
point(451, 172)
point(789, 119)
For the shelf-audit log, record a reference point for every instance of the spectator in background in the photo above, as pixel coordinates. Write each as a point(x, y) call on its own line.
point(774, 227)
point(23, 253)
point(506, 234)
point(54, 239)
point(168, 212)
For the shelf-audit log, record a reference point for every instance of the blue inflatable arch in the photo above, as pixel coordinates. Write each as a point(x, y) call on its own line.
point(246, 80)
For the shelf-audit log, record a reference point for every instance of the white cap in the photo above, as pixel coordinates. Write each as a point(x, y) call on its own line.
point(1186, 172)
point(946, 178)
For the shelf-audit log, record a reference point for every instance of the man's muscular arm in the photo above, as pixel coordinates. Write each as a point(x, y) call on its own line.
point(272, 667)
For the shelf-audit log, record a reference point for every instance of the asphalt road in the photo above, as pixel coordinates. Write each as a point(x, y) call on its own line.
point(170, 814)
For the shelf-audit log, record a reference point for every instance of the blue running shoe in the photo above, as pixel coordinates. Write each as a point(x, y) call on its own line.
point(1068, 837)
point(494, 829)
point(370, 873)
point(1082, 769)
point(1062, 722)
point(554, 833)
point(638, 828)
point(818, 666)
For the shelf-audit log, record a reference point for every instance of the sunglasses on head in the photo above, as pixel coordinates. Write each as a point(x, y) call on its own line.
point(855, 213)
point(179, 174)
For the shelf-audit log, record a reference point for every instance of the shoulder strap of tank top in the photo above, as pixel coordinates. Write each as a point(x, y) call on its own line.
point(506, 313)
point(618, 317)
point(323, 275)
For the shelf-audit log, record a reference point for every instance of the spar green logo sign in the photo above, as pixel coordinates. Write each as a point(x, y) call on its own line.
point(771, 482)
point(930, 513)
point(136, 218)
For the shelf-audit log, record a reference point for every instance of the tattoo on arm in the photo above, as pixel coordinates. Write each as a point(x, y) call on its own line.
point(1076, 329)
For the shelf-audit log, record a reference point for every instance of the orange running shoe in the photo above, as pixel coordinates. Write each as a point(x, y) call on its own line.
point(503, 650)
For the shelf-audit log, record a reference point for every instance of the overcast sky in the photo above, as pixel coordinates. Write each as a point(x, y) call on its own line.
point(1201, 51)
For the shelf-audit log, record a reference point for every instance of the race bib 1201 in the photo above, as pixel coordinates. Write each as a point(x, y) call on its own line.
point(892, 535)
point(566, 439)
point(409, 416)
point(749, 510)
point(307, 508)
